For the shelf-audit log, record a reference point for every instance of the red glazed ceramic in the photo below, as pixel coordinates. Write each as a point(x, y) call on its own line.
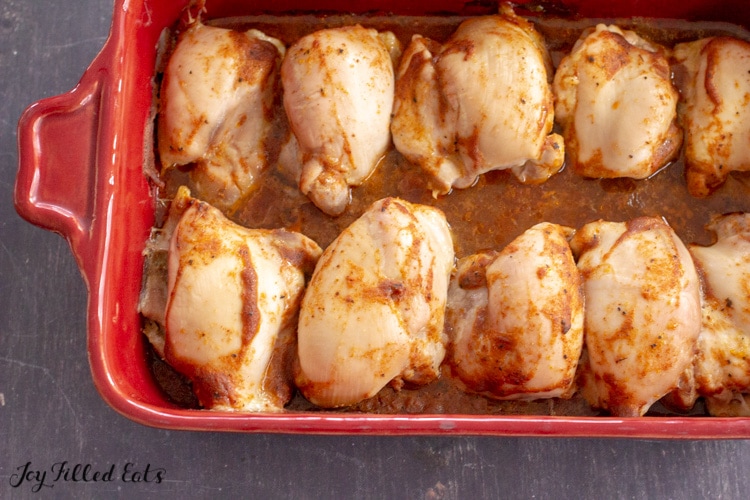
point(81, 157)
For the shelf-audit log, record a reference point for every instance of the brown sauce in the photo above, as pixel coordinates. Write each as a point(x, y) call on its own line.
point(491, 213)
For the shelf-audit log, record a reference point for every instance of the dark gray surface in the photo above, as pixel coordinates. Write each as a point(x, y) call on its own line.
point(50, 411)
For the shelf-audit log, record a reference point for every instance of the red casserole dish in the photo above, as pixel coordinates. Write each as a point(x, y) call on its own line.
point(81, 158)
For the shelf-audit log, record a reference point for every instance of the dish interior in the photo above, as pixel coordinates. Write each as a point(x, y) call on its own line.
point(488, 215)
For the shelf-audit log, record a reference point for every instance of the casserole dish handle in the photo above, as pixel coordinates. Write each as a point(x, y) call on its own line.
point(56, 185)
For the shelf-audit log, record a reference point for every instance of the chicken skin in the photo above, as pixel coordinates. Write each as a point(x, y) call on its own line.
point(233, 301)
point(713, 75)
point(482, 101)
point(338, 96)
point(374, 310)
point(515, 318)
point(642, 313)
point(217, 109)
point(722, 364)
point(617, 105)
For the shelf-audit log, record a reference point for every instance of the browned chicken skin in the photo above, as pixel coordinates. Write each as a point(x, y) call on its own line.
point(480, 102)
point(617, 105)
point(714, 78)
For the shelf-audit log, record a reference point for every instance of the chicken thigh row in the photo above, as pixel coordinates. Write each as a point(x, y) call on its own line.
point(647, 317)
point(621, 110)
point(520, 325)
point(235, 322)
point(483, 100)
point(621, 311)
point(221, 109)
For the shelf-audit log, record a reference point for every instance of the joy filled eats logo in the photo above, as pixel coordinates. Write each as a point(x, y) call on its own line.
point(65, 472)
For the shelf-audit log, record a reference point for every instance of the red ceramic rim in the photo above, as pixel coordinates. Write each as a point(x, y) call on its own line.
point(81, 158)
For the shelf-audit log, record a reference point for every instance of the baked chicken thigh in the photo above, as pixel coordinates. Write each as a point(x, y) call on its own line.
point(482, 101)
point(617, 105)
point(642, 313)
point(722, 364)
point(217, 108)
point(516, 318)
point(713, 75)
point(374, 309)
point(338, 95)
point(233, 300)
